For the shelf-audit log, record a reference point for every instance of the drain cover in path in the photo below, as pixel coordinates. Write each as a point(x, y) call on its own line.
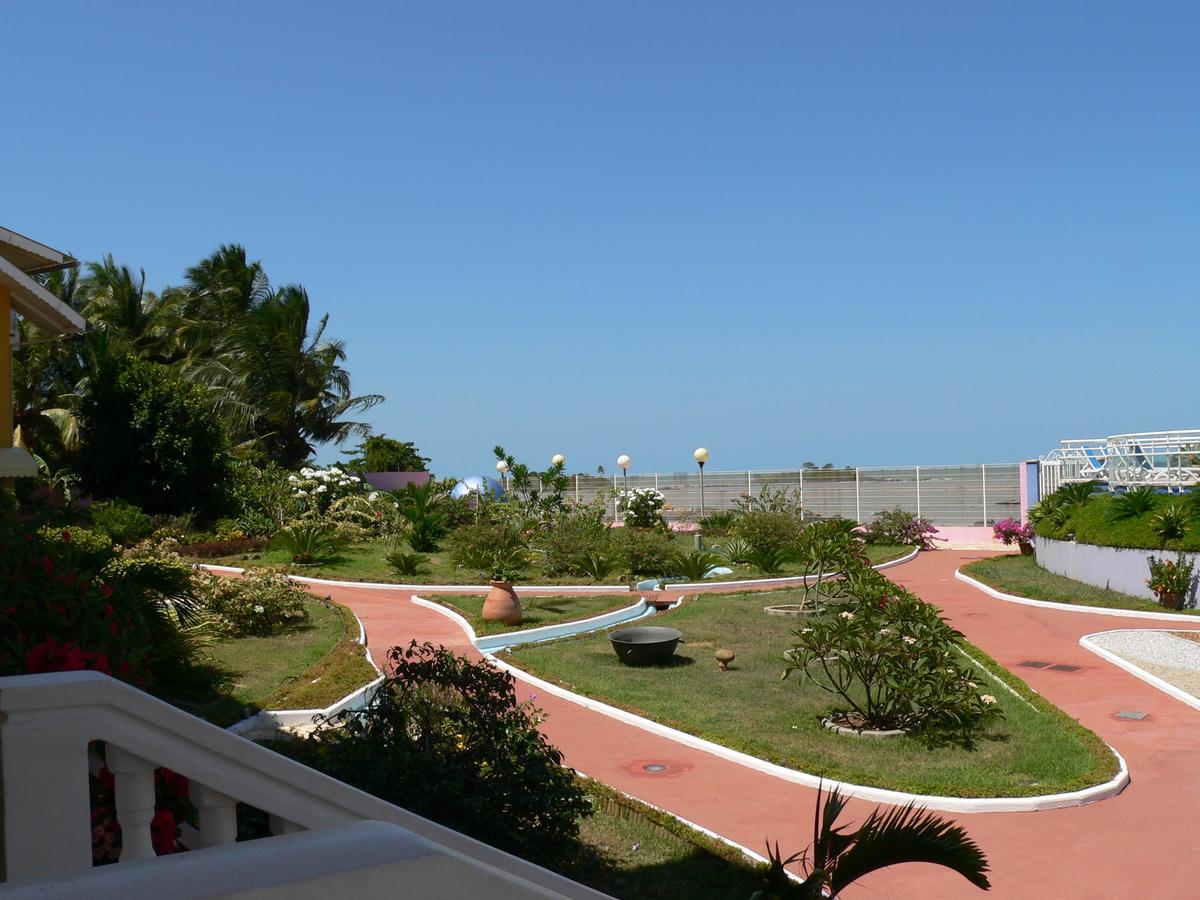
point(1132, 714)
point(1033, 664)
point(1063, 667)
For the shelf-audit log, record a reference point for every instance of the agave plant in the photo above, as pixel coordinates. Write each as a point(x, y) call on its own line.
point(595, 565)
point(405, 563)
point(309, 542)
point(1054, 510)
point(1171, 524)
point(767, 560)
point(838, 857)
point(737, 550)
point(694, 565)
point(1133, 503)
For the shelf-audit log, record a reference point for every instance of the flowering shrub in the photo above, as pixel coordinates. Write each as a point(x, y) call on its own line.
point(1171, 576)
point(1010, 532)
point(642, 507)
point(258, 604)
point(893, 663)
point(898, 526)
point(446, 738)
point(318, 488)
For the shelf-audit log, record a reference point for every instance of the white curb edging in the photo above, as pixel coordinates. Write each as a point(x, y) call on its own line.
point(1071, 607)
point(780, 581)
point(1134, 669)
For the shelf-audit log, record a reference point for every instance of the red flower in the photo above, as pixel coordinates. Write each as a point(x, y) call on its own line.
point(163, 832)
point(51, 657)
point(66, 536)
point(173, 782)
point(106, 591)
point(47, 564)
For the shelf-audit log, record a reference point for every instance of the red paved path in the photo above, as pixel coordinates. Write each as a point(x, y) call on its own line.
point(1138, 844)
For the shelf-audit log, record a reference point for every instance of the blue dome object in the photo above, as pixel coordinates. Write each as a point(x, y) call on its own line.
point(478, 484)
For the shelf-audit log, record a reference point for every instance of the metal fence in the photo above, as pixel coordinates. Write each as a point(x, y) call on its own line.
point(946, 495)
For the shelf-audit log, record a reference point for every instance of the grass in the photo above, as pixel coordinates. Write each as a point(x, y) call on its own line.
point(1092, 523)
point(537, 611)
point(1021, 575)
point(307, 667)
point(629, 850)
point(366, 562)
point(1035, 749)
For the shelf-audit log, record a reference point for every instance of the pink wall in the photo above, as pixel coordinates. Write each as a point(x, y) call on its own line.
point(966, 537)
point(395, 481)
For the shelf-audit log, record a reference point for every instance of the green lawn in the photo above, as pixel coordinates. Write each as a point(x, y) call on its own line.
point(1021, 575)
point(366, 562)
point(634, 852)
point(1036, 749)
point(536, 611)
point(307, 667)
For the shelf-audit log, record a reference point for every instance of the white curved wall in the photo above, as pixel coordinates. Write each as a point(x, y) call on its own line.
point(1116, 568)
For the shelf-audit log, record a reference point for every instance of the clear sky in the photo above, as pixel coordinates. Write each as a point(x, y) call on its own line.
point(866, 234)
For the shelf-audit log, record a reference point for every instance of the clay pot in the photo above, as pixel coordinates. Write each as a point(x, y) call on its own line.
point(1170, 601)
point(1026, 548)
point(501, 604)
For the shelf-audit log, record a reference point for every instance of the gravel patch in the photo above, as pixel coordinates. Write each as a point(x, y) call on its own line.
point(1174, 659)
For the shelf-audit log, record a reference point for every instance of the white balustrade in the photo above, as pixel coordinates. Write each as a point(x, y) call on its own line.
point(134, 800)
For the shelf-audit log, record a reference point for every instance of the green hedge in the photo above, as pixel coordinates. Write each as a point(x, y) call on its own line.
point(1092, 523)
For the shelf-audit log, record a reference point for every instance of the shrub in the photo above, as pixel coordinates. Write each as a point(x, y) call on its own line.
point(694, 565)
point(1171, 523)
point(498, 550)
point(380, 453)
point(262, 498)
point(420, 508)
point(737, 550)
point(595, 565)
point(446, 738)
point(230, 547)
point(898, 526)
point(1010, 531)
point(827, 549)
point(642, 508)
point(570, 537)
point(258, 604)
point(407, 564)
point(892, 665)
point(767, 560)
point(150, 437)
point(1051, 516)
point(317, 489)
point(1171, 576)
point(644, 551)
point(770, 529)
point(1133, 503)
point(719, 522)
point(309, 542)
point(90, 550)
point(121, 521)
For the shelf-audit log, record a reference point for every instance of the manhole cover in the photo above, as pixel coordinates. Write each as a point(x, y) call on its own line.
point(976, 615)
point(1063, 667)
point(655, 767)
point(1132, 714)
point(1033, 664)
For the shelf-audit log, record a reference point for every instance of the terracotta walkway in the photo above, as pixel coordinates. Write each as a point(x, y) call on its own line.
point(1138, 844)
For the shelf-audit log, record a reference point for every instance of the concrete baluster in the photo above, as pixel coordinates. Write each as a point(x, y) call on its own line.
point(218, 816)
point(134, 789)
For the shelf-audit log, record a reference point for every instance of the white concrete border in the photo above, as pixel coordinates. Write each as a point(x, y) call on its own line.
point(1134, 669)
point(781, 581)
point(1079, 608)
point(1092, 794)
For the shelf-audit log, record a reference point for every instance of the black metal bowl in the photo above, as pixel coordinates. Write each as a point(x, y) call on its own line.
point(646, 645)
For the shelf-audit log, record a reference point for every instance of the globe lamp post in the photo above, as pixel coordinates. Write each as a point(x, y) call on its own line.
point(701, 457)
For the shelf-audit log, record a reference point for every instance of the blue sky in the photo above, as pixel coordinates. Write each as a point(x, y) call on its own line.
point(865, 234)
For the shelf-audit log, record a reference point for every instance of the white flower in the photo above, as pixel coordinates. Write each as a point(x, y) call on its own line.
point(846, 615)
point(321, 488)
point(885, 631)
point(909, 640)
point(335, 471)
point(972, 685)
point(293, 479)
point(307, 472)
point(805, 630)
point(259, 609)
point(373, 496)
point(302, 493)
point(987, 699)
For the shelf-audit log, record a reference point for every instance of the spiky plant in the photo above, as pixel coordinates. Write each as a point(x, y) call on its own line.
point(737, 550)
point(1171, 524)
point(838, 857)
point(595, 565)
point(405, 563)
point(694, 564)
point(1133, 503)
point(767, 560)
point(309, 542)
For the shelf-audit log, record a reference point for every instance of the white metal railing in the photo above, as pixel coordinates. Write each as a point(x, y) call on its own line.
point(48, 721)
point(947, 495)
point(1167, 459)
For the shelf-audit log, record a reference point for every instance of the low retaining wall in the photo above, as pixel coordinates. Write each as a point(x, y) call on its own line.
point(1117, 568)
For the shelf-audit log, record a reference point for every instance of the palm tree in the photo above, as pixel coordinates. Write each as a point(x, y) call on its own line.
point(220, 291)
point(837, 857)
point(281, 384)
point(117, 301)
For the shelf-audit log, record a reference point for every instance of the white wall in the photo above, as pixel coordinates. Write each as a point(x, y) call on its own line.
point(1115, 568)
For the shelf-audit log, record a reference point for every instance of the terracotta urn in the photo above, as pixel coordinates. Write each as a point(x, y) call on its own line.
point(501, 604)
point(1169, 600)
point(1026, 548)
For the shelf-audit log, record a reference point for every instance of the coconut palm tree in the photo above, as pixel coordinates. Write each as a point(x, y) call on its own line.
point(219, 292)
point(281, 383)
point(114, 299)
point(838, 857)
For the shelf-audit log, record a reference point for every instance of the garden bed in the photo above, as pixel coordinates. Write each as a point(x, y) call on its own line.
point(1035, 749)
point(367, 562)
point(1023, 577)
point(310, 666)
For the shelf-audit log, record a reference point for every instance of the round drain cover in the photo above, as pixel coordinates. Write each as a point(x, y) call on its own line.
point(655, 767)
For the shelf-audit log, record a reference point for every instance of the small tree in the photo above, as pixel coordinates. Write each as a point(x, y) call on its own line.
point(149, 437)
